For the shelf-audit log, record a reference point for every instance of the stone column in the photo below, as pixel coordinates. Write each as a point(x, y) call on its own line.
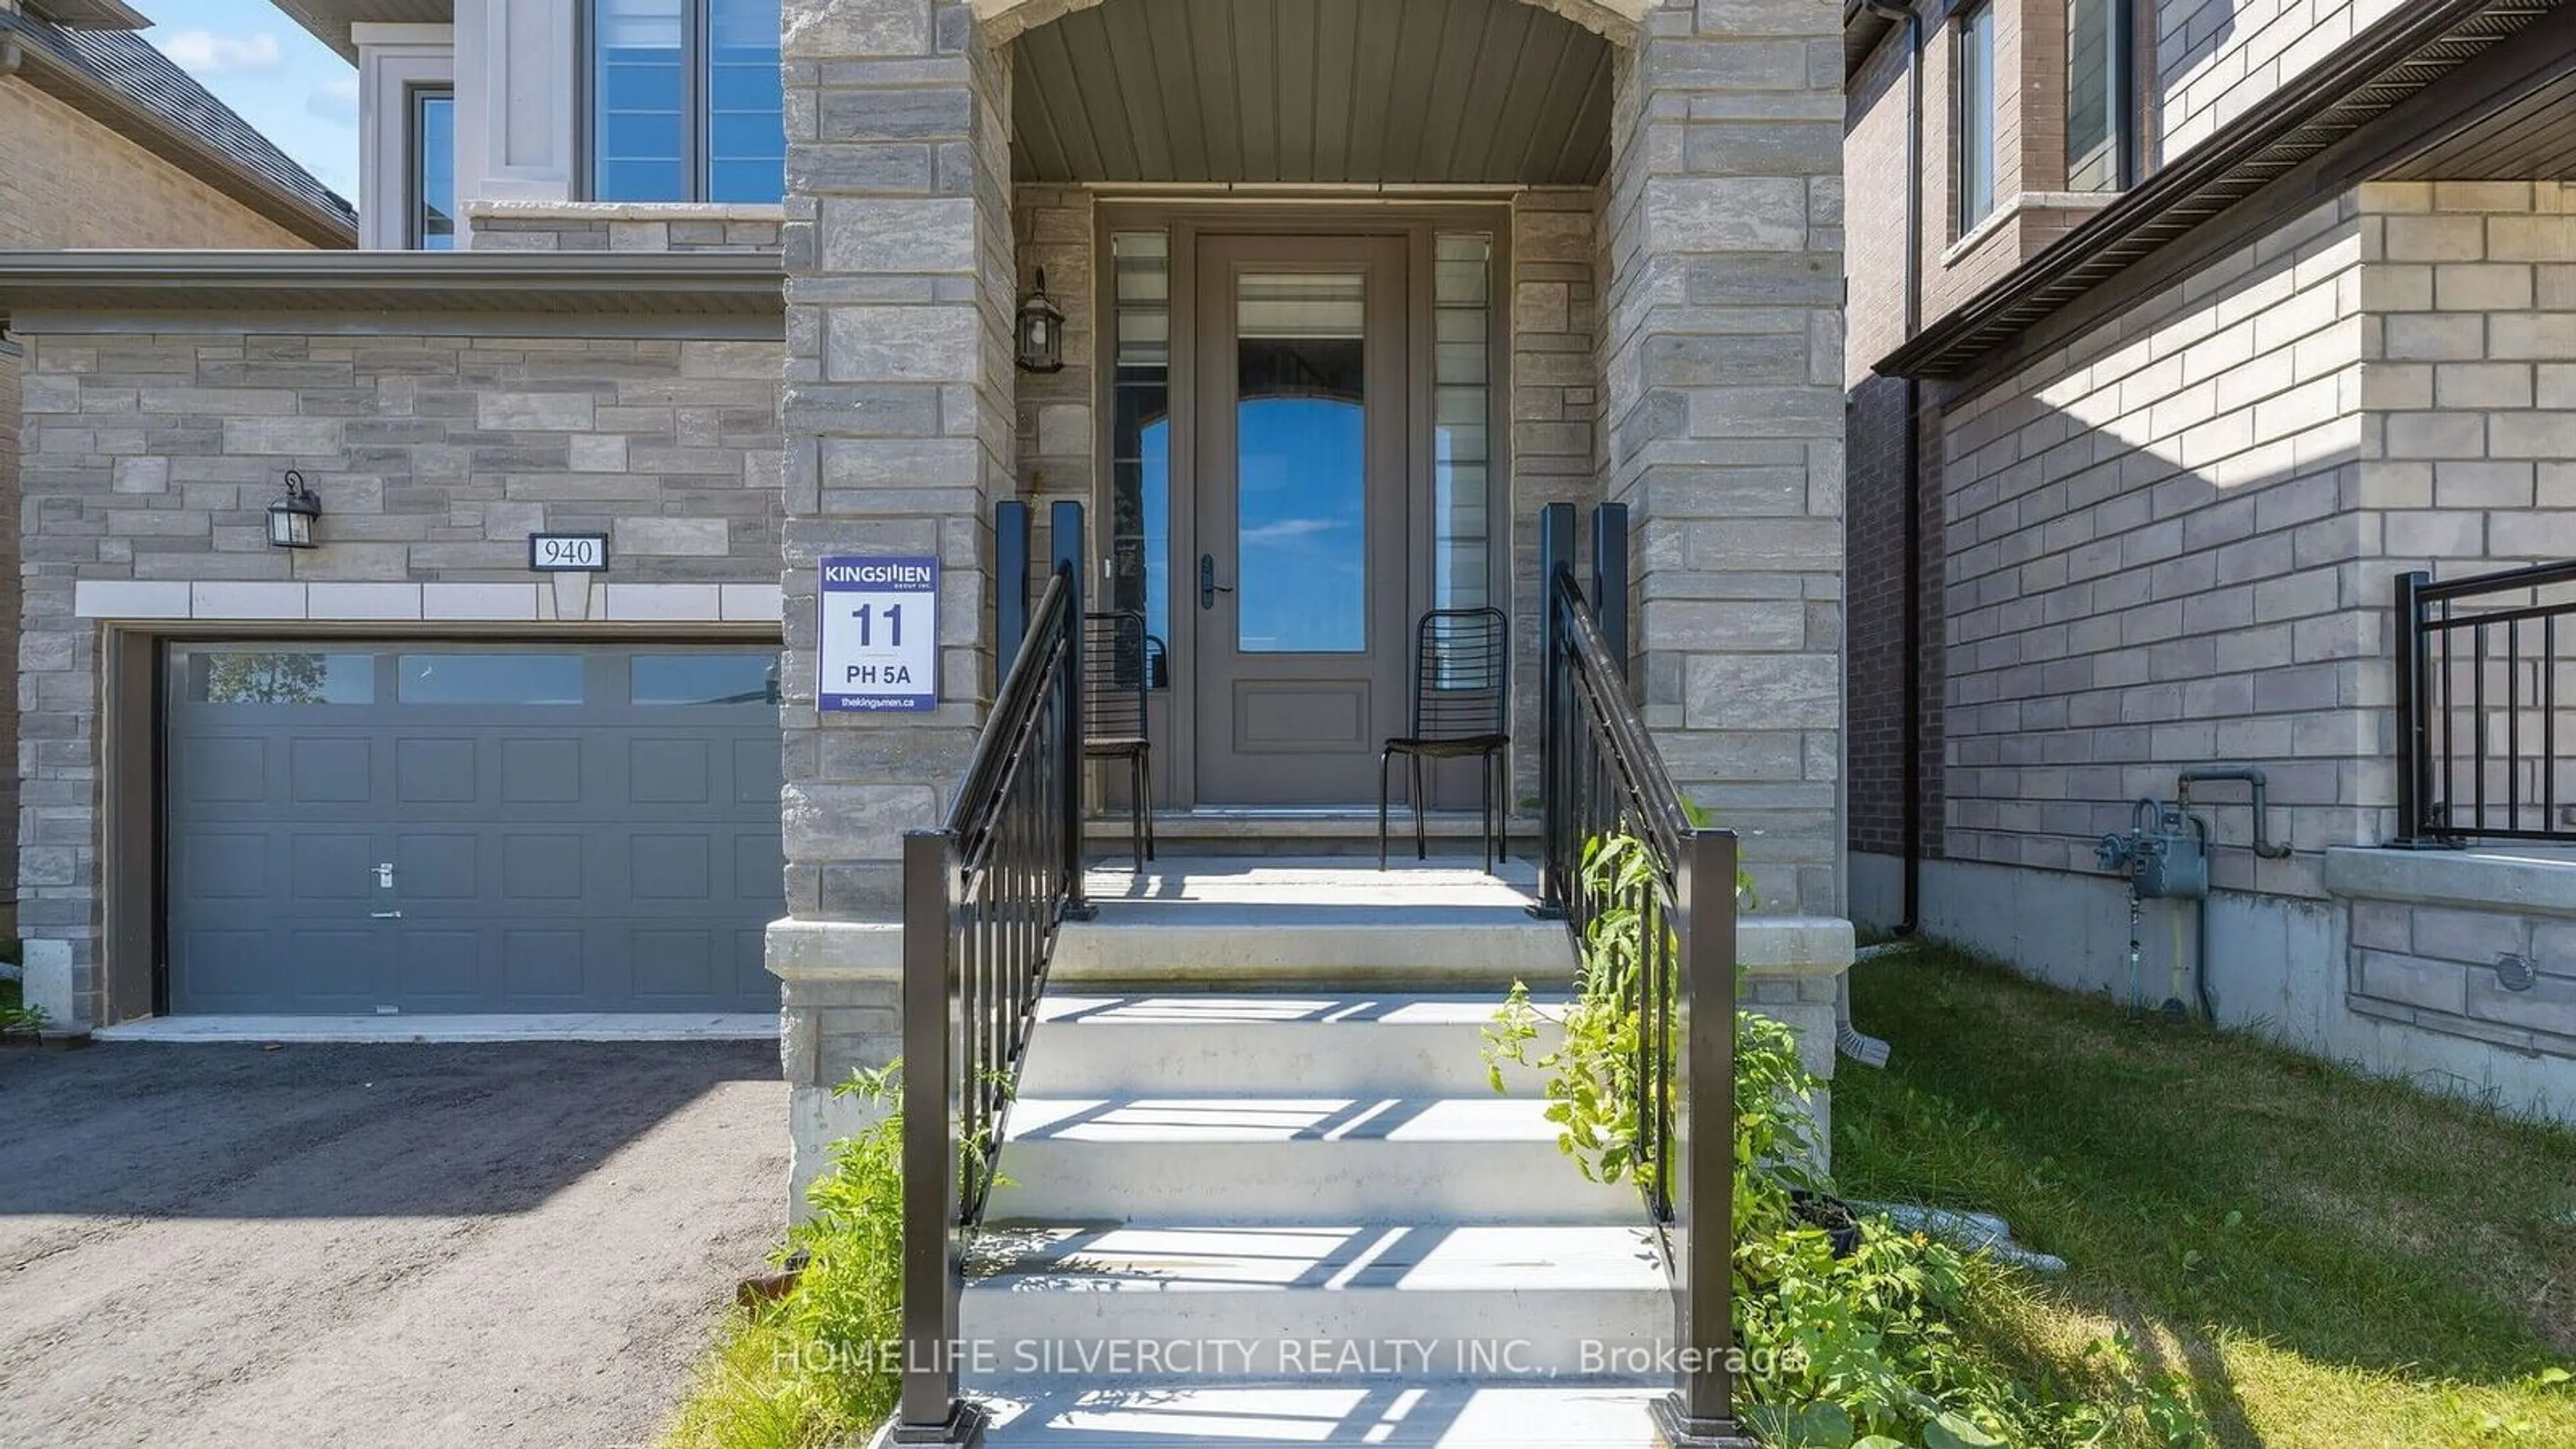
point(898, 416)
point(1721, 355)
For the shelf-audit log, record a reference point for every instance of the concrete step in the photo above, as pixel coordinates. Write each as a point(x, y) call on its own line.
point(1567, 1301)
point(1293, 1160)
point(1188, 1044)
point(1395, 1413)
point(1220, 923)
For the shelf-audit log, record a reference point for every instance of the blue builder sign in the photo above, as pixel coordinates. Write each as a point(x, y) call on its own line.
point(880, 636)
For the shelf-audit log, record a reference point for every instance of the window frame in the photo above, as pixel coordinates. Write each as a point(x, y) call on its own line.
point(697, 18)
point(1973, 33)
point(416, 95)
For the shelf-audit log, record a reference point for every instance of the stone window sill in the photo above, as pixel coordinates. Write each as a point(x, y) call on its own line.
point(602, 211)
point(2023, 202)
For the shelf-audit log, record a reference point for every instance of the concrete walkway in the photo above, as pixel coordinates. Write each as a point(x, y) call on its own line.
point(423, 1245)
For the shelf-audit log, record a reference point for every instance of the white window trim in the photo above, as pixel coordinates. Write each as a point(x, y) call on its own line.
point(393, 62)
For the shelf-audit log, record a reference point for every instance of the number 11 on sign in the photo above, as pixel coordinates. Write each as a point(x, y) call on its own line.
point(894, 624)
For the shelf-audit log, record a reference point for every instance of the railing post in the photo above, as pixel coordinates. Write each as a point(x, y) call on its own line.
point(1610, 578)
point(929, 1411)
point(1700, 1414)
point(2414, 739)
point(1064, 546)
point(1555, 555)
point(1011, 582)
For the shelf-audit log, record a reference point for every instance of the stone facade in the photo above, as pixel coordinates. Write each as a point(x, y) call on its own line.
point(623, 226)
point(1677, 346)
point(68, 181)
point(151, 457)
point(1556, 406)
point(1722, 363)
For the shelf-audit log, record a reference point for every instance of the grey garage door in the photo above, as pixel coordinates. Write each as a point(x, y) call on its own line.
point(449, 828)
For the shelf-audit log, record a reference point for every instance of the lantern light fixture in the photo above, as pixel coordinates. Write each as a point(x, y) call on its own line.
point(1041, 331)
point(290, 518)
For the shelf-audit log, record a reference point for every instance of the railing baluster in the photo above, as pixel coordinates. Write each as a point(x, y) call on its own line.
point(982, 897)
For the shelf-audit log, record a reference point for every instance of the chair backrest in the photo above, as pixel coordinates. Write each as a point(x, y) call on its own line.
point(1118, 664)
point(1461, 683)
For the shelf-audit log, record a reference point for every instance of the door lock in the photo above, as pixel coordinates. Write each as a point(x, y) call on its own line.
point(1209, 588)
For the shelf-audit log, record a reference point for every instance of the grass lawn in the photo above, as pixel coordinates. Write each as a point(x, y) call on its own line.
point(2310, 1257)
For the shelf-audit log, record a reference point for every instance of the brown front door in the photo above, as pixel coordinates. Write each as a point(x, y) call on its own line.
point(1298, 578)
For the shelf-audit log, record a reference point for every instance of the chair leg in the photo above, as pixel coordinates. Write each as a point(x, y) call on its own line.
point(1385, 761)
point(1145, 791)
point(1485, 808)
point(1136, 809)
point(1421, 842)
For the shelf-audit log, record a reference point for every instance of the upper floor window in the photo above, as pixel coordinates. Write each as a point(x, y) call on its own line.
point(433, 170)
point(1976, 115)
point(684, 101)
point(2100, 151)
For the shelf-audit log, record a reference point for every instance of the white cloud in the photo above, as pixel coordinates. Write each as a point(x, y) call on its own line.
point(335, 99)
point(1288, 528)
point(204, 53)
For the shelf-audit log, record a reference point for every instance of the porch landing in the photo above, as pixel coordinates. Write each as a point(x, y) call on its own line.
point(1237, 921)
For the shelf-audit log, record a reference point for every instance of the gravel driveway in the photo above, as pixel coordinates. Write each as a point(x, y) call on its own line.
point(374, 1245)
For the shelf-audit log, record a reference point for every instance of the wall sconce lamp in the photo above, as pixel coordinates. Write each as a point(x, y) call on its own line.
point(1041, 331)
point(290, 518)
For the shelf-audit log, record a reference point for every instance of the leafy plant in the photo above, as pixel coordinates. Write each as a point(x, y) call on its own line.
point(1849, 1352)
point(18, 1018)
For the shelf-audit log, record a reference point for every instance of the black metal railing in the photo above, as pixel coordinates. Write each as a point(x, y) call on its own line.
point(1603, 780)
point(2480, 664)
point(983, 895)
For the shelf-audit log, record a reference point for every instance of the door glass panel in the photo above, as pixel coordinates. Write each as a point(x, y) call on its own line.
point(278, 676)
point(490, 679)
point(1300, 463)
point(1140, 431)
point(704, 679)
point(1461, 449)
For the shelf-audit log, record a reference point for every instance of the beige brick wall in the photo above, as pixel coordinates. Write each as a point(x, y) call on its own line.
point(2469, 429)
point(67, 181)
point(2153, 562)
point(2218, 59)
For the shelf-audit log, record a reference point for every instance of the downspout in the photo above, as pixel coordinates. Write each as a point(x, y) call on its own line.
point(1850, 1040)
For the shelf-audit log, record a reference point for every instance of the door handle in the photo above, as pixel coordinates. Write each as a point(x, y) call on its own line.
point(1209, 588)
point(385, 876)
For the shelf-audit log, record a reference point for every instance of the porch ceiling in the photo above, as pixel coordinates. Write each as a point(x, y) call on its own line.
point(1312, 91)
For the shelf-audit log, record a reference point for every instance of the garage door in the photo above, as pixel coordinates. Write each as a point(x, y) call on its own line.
point(445, 828)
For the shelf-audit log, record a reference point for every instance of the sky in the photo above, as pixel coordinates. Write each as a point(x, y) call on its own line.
point(279, 78)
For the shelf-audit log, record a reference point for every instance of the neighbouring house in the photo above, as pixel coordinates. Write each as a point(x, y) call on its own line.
point(735, 284)
point(104, 142)
point(2181, 332)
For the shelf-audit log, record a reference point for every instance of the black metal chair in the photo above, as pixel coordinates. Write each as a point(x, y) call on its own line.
point(1461, 704)
point(1120, 664)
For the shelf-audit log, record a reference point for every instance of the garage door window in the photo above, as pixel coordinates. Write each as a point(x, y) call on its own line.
point(512, 679)
point(692, 679)
point(278, 676)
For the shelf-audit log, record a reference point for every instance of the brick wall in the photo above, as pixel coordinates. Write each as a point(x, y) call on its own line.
point(2153, 562)
point(150, 459)
point(1875, 648)
point(67, 181)
point(2218, 59)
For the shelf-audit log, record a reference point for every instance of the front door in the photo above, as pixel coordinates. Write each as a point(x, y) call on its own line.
point(1298, 579)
